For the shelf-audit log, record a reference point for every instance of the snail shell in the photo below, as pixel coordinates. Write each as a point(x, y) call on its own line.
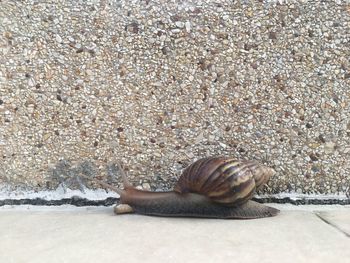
point(227, 181)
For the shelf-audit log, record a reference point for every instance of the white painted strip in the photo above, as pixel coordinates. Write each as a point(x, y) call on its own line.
point(100, 194)
point(58, 194)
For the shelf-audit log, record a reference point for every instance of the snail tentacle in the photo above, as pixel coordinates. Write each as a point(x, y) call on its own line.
point(116, 189)
point(126, 182)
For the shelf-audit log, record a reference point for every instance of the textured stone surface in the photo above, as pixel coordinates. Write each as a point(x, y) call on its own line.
point(157, 84)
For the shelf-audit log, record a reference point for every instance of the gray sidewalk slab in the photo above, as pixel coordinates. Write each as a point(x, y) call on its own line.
point(68, 234)
point(339, 219)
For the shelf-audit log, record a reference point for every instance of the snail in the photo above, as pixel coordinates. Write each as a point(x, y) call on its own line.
point(214, 187)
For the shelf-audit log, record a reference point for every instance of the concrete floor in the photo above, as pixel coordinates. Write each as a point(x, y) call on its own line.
point(93, 234)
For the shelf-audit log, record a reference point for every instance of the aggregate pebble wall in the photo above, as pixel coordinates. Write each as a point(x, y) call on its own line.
point(156, 84)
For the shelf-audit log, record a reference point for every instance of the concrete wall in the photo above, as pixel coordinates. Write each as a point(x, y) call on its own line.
point(157, 84)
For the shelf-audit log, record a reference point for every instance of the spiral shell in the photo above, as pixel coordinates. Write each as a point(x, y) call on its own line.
point(224, 180)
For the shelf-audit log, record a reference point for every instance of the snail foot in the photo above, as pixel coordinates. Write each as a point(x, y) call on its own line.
point(252, 209)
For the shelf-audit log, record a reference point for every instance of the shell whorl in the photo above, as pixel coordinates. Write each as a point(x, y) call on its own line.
point(224, 180)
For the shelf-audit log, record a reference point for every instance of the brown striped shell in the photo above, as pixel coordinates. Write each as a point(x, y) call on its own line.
point(224, 180)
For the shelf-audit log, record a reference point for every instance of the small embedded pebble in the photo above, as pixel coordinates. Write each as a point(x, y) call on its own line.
point(272, 35)
point(188, 26)
point(179, 24)
point(58, 39)
point(146, 186)
point(329, 147)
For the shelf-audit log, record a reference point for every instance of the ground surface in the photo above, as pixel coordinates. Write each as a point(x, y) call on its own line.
point(90, 234)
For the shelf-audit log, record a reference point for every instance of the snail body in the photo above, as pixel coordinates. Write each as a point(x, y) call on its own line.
point(214, 187)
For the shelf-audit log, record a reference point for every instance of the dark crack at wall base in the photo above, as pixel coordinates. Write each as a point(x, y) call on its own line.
point(78, 201)
point(303, 201)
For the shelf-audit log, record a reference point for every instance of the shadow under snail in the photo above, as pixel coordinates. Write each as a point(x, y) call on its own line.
point(214, 187)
